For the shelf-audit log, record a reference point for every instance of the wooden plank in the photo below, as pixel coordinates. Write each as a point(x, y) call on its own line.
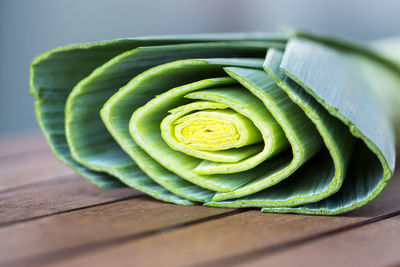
point(30, 167)
point(19, 144)
point(54, 196)
point(376, 244)
point(209, 241)
point(214, 241)
point(27, 159)
point(93, 226)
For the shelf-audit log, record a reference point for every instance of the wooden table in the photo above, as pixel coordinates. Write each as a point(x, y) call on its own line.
point(51, 216)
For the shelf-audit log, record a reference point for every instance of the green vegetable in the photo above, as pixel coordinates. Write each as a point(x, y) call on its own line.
point(304, 124)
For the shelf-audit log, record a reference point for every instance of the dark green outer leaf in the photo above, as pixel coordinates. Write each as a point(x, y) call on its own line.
point(332, 76)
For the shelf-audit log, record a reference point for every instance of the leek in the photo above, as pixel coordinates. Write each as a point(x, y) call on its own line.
point(290, 124)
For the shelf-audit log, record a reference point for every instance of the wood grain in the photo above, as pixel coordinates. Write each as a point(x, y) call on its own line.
point(376, 244)
point(233, 236)
point(93, 226)
point(54, 196)
point(50, 216)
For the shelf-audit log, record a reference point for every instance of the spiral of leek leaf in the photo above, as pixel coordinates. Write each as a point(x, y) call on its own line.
point(301, 124)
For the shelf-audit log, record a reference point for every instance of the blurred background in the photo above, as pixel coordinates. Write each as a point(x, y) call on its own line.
point(30, 27)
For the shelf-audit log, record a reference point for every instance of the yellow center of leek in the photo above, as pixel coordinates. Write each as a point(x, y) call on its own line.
point(213, 130)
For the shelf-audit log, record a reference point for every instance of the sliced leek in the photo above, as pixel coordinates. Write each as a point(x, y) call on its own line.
point(300, 124)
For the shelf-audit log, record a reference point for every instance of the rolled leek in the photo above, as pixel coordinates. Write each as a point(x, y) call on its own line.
point(299, 124)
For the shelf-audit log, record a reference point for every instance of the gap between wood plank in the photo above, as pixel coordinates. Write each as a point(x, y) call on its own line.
point(372, 245)
point(378, 208)
point(29, 168)
point(56, 256)
point(285, 245)
point(55, 196)
point(241, 259)
point(214, 238)
point(48, 258)
point(66, 211)
point(59, 256)
point(33, 184)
